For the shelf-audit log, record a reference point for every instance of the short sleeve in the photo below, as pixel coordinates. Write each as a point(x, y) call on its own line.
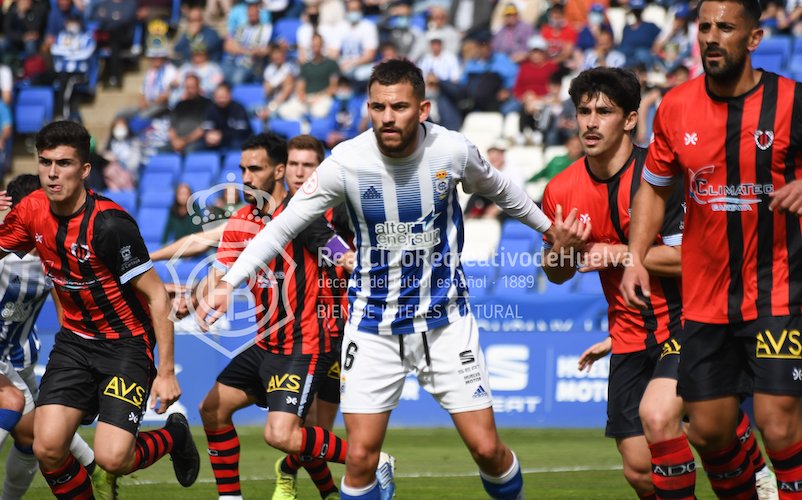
point(673, 223)
point(14, 235)
point(119, 245)
point(661, 168)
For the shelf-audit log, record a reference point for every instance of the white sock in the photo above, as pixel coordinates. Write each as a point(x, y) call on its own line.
point(3, 436)
point(230, 497)
point(20, 470)
point(81, 451)
point(357, 492)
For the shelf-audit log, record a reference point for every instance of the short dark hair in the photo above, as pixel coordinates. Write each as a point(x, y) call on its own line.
point(619, 85)
point(752, 8)
point(274, 144)
point(395, 71)
point(21, 186)
point(307, 142)
point(64, 133)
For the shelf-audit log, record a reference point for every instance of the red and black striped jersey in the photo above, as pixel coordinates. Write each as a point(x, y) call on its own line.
point(286, 290)
point(91, 256)
point(607, 205)
point(740, 260)
point(334, 279)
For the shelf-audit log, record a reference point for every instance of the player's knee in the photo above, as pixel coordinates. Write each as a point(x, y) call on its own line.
point(639, 480)
point(362, 458)
point(12, 399)
point(657, 423)
point(279, 438)
point(208, 410)
point(113, 463)
point(50, 457)
point(488, 452)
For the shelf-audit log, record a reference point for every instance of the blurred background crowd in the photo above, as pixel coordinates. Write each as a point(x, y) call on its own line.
point(209, 73)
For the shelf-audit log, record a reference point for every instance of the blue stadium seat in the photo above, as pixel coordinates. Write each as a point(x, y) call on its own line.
point(588, 283)
point(126, 199)
point(795, 63)
point(257, 126)
point(33, 109)
point(768, 62)
point(159, 181)
point(157, 198)
point(561, 289)
point(287, 128)
point(797, 49)
point(190, 268)
point(164, 162)
point(231, 160)
point(777, 45)
point(197, 181)
point(286, 30)
point(152, 222)
point(250, 95)
point(513, 229)
point(320, 128)
point(202, 161)
point(235, 175)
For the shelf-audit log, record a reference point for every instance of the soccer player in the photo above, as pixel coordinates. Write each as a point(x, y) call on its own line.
point(599, 188)
point(292, 352)
point(114, 305)
point(734, 134)
point(409, 307)
point(304, 154)
point(25, 290)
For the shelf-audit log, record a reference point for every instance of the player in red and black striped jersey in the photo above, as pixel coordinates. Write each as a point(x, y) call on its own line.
point(644, 413)
point(114, 307)
point(292, 351)
point(734, 135)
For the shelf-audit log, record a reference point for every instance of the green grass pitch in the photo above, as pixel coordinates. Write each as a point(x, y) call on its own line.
point(432, 464)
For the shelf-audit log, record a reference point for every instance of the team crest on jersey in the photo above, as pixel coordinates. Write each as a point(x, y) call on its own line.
point(764, 139)
point(441, 184)
point(80, 252)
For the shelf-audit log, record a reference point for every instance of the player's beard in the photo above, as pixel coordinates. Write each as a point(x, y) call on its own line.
point(267, 192)
point(406, 137)
point(729, 68)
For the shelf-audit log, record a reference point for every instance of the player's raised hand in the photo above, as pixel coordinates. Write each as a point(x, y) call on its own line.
point(164, 391)
point(570, 232)
point(212, 305)
point(5, 201)
point(595, 353)
point(788, 198)
point(635, 285)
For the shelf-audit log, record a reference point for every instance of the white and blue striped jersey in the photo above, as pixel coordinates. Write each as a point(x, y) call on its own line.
point(24, 291)
point(407, 222)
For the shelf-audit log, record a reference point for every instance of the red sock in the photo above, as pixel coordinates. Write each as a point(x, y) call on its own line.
point(317, 442)
point(730, 472)
point(69, 481)
point(321, 475)
point(748, 441)
point(788, 468)
point(291, 463)
point(150, 447)
point(673, 469)
point(224, 456)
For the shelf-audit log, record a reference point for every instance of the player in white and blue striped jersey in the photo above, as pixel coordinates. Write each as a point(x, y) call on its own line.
point(23, 291)
point(408, 293)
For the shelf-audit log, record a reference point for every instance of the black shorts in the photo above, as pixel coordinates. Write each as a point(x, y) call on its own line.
point(278, 382)
point(762, 355)
point(329, 389)
point(107, 379)
point(629, 375)
point(668, 362)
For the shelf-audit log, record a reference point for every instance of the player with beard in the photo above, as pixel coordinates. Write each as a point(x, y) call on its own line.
point(409, 309)
point(734, 134)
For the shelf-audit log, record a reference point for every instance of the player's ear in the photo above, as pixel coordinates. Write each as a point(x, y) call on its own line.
point(278, 173)
point(631, 121)
point(85, 169)
point(425, 109)
point(755, 36)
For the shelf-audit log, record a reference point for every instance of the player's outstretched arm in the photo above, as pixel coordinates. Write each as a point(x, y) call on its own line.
point(568, 237)
point(648, 212)
point(190, 245)
point(165, 390)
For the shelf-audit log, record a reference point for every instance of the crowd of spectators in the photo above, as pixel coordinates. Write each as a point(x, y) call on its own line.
point(313, 57)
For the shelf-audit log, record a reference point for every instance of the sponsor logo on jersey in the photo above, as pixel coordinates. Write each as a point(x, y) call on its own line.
point(130, 392)
point(286, 382)
point(441, 184)
point(371, 193)
point(467, 357)
point(779, 345)
point(691, 138)
point(480, 392)
point(725, 198)
point(417, 235)
point(80, 252)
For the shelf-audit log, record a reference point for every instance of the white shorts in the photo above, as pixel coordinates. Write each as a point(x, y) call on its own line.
point(7, 370)
point(373, 368)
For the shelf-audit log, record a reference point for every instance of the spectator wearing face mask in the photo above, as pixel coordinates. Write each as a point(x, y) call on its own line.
point(123, 153)
point(596, 23)
point(360, 41)
point(72, 53)
point(560, 36)
point(311, 23)
point(398, 30)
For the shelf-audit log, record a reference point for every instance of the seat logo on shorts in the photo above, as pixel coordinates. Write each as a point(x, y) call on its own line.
point(117, 388)
point(787, 346)
point(286, 382)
